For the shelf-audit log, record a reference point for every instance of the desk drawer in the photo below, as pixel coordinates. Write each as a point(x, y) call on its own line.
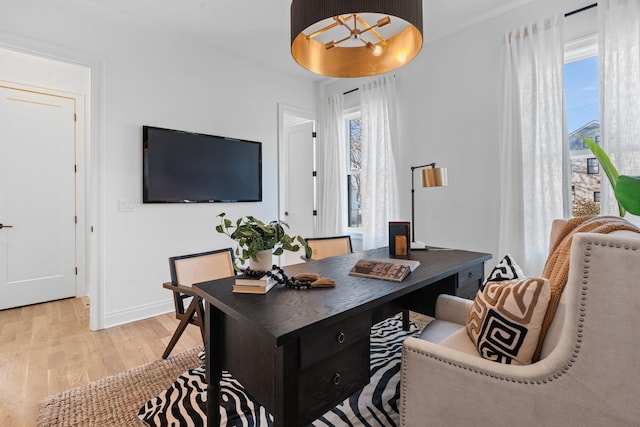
point(469, 281)
point(323, 385)
point(333, 338)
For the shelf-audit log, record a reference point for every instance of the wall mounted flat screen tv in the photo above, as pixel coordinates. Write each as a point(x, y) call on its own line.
point(186, 167)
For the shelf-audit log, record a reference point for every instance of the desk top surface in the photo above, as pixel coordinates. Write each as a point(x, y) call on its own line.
point(283, 314)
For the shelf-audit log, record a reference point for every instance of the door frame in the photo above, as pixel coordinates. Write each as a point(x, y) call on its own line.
point(305, 116)
point(94, 165)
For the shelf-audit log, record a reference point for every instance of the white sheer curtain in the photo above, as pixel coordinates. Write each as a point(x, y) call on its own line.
point(379, 188)
point(531, 141)
point(333, 175)
point(619, 30)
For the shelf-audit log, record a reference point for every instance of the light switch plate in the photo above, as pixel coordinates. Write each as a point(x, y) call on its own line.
point(126, 205)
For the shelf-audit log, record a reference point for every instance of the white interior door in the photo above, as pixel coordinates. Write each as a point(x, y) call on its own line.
point(37, 197)
point(299, 192)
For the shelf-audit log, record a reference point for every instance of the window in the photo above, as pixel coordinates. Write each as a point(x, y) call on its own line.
point(582, 103)
point(354, 136)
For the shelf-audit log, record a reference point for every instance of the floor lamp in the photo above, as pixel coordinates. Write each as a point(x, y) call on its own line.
point(431, 177)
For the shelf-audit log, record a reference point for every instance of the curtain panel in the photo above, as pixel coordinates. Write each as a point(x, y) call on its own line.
point(333, 177)
point(379, 192)
point(532, 141)
point(619, 45)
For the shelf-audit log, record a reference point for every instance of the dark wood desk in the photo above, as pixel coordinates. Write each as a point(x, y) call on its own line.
point(301, 352)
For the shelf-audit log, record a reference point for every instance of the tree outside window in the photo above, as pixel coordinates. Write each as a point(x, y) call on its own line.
point(354, 130)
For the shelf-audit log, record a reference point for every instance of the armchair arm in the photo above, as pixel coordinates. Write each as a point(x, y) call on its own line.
point(420, 356)
point(453, 309)
point(451, 387)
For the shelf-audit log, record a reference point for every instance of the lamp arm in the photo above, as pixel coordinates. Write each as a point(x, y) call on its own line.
point(433, 165)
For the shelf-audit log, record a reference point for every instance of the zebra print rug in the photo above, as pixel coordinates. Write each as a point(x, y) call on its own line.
point(184, 403)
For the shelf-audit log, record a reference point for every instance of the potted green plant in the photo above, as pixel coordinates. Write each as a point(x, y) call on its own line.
point(259, 241)
point(625, 188)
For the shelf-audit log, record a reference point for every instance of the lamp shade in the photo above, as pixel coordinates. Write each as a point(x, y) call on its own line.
point(355, 38)
point(434, 177)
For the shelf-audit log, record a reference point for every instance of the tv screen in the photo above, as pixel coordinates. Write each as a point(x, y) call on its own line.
point(186, 167)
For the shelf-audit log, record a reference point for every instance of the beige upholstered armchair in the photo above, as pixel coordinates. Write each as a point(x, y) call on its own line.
point(589, 369)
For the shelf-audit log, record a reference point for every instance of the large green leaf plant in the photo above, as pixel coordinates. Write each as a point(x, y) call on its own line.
point(253, 235)
point(625, 188)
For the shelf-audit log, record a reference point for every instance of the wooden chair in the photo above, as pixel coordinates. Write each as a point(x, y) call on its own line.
point(187, 270)
point(325, 247)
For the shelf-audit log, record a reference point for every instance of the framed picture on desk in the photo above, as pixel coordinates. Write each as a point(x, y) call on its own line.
point(399, 232)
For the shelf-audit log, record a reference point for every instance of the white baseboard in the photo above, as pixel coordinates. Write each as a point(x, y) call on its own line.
point(140, 312)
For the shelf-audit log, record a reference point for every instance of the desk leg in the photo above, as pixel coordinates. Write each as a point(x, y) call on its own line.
point(405, 320)
point(213, 365)
point(285, 413)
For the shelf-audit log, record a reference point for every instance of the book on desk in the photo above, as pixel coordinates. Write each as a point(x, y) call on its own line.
point(261, 284)
point(391, 269)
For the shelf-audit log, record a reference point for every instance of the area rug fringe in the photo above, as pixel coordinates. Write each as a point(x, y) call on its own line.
point(114, 400)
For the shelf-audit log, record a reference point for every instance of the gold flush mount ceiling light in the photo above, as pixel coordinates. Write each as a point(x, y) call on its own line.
point(355, 38)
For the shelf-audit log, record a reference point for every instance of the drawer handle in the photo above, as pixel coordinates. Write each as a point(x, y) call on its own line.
point(470, 275)
point(341, 337)
point(336, 379)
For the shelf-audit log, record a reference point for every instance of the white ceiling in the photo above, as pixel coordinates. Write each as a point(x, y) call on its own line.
point(259, 29)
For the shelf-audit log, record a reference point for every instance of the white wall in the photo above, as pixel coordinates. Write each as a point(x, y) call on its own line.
point(153, 78)
point(449, 109)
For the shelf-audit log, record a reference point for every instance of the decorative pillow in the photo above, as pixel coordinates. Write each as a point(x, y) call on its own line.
point(506, 318)
point(506, 269)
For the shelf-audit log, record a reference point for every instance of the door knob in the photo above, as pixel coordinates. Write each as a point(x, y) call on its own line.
point(5, 226)
point(286, 213)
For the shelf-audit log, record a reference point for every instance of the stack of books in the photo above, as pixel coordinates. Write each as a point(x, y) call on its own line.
point(254, 284)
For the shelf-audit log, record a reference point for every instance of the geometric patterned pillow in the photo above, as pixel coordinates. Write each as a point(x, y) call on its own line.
point(506, 269)
point(506, 318)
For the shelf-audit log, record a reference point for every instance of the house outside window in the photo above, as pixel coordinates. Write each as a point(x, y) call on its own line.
point(596, 196)
point(353, 125)
point(582, 103)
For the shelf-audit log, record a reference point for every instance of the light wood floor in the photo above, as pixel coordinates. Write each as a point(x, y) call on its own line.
point(48, 348)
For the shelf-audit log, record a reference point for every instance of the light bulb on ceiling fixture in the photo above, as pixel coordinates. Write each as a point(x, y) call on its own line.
point(376, 49)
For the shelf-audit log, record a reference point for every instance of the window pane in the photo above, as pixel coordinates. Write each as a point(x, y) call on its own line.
point(355, 210)
point(355, 143)
point(583, 119)
point(354, 206)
